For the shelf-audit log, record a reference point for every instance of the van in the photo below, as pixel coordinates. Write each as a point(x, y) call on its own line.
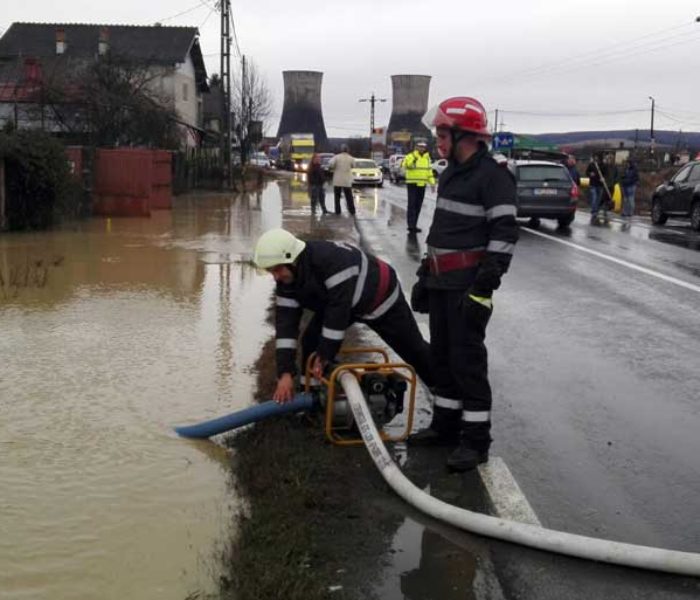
point(396, 170)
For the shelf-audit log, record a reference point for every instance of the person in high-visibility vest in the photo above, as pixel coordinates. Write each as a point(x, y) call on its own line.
point(419, 173)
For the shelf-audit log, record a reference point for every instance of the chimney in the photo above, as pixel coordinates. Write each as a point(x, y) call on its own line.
point(103, 43)
point(60, 41)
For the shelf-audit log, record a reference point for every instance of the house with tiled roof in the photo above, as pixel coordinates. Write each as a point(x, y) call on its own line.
point(33, 53)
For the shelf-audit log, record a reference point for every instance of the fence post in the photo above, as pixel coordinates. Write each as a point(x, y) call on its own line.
point(2, 195)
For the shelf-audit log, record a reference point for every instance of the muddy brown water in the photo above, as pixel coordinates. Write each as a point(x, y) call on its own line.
point(111, 332)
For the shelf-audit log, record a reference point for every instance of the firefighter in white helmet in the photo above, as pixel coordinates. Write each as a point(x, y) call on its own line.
point(341, 285)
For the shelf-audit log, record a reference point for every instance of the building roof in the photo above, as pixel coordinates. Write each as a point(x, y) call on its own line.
point(152, 43)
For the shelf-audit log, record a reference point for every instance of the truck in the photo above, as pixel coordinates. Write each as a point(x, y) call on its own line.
point(296, 150)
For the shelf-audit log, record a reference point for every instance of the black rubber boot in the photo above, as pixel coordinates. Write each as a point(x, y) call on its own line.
point(433, 437)
point(465, 458)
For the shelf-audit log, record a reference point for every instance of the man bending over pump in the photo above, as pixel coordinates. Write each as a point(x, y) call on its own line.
point(341, 285)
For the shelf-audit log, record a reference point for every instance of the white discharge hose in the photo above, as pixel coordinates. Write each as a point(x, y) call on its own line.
point(630, 555)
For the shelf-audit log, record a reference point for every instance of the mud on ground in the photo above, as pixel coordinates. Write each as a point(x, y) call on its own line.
point(320, 517)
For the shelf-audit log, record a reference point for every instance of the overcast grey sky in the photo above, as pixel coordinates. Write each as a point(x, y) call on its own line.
point(548, 65)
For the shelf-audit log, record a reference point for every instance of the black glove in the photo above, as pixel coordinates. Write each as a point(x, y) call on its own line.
point(420, 293)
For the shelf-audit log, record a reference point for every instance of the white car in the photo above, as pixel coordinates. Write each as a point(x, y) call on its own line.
point(366, 172)
point(260, 159)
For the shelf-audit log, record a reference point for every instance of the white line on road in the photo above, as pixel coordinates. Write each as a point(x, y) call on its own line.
point(505, 494)
point(619, 261)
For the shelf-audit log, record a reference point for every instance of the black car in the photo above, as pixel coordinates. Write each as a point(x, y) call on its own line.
point(545, 191)
point(679, 196)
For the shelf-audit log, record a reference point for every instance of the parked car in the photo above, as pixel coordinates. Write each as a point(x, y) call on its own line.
point(679, 196)
point(366, 171)
point(545, 190)
point(396, 170)
point(439, 166)
point(325, 160)
point(260, 159)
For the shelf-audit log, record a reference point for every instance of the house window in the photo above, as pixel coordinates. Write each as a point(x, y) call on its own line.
point(184, 92)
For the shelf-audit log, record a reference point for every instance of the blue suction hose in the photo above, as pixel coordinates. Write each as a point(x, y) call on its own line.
point(300, 402)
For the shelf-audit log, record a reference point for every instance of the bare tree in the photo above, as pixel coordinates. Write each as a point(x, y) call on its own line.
point(111, 101)
point(251, 101)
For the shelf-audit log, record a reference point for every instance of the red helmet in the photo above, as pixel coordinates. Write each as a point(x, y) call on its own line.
point(463, 113)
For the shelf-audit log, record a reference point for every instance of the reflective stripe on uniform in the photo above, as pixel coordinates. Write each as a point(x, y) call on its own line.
point(384, 306)
point(432, 251)
point(341, 276)
point(288, 302)
point(333, 334)
point(503, 247)
point(450, 403)
point(360, 285)
point(285, 343)
point(469, 210)
point(472, 416)
point(502, 210)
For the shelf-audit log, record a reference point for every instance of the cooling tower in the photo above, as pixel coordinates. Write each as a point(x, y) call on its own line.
point(302, 106)
point(410, 103)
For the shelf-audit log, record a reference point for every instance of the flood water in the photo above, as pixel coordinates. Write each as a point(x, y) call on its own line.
point(111, 332)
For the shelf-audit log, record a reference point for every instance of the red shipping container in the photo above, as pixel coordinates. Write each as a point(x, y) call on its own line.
point(123, 182)
point(162, 190)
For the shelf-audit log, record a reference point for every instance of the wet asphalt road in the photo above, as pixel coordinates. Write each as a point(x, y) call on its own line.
point(595, 371)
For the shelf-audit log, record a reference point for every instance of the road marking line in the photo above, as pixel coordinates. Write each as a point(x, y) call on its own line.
point(619, 261)
point(505, 494)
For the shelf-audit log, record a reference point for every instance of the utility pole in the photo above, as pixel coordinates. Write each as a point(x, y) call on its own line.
point(653, 144)
point(496, 123)
point(243, 125)
point(225, 69)
point(372, 101)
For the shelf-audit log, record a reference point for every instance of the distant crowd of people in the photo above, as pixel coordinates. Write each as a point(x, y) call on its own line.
point(603, 175)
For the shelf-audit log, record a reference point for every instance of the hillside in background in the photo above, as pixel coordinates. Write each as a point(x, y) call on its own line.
point(663, 137)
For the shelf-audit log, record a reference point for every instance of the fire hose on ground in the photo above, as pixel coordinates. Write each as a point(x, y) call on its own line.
point(579, 546)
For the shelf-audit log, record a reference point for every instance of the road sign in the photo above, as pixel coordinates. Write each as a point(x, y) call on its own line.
point(503, 140)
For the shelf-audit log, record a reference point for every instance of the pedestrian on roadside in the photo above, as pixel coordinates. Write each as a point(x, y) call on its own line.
point(596, 174)
point(341, 285)
point(341, 165)
point(573, 171)
point(419, 173)
point(629, 181)
point(316, 180)
point(470, 246)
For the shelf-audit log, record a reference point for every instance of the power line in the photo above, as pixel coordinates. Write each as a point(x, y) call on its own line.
point(235, 36)
point(200, 4)
point(635, 46)
point(587, 113)
point(212, 10)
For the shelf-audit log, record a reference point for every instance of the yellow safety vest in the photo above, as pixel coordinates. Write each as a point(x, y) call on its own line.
point(419, 170)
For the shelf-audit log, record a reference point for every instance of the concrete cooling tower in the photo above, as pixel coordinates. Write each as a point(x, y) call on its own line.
point(410, 103)
point(302, 106)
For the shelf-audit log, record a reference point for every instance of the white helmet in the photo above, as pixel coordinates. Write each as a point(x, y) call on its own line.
point(277, 247)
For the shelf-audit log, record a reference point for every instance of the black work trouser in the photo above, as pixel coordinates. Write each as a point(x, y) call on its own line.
point(348, 199)
point(416, 194)
point(397, 328)
point(462, 390)
point(317, 191)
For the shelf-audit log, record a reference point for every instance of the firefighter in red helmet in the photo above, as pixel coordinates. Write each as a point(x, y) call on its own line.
point(470, 245)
